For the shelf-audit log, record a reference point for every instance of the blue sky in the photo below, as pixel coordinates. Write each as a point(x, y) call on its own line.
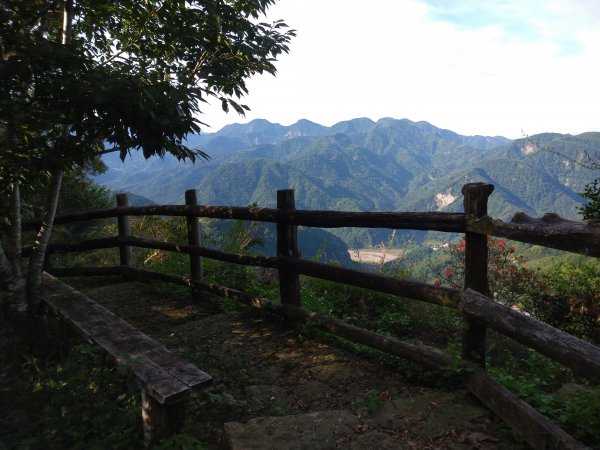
point(473, 66)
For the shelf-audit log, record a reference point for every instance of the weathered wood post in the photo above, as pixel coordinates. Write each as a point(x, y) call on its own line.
point(193, 235)
point(287, 246)
point(124, 222)
point(162, 420)
point(476, 268)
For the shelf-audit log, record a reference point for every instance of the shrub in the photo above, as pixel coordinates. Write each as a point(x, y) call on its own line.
point(570, 299)
point(510, 281)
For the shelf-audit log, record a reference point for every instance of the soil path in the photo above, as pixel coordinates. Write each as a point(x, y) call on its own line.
point(279, 389)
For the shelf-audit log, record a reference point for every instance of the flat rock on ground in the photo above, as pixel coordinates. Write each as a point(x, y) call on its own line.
point(321, 429)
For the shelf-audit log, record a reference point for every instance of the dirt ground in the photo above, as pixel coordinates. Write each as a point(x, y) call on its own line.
point(282, 388)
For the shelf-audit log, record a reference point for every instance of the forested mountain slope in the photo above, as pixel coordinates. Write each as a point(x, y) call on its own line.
point(364, 165)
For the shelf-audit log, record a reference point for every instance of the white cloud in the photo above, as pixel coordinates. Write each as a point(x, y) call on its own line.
point(398, 59)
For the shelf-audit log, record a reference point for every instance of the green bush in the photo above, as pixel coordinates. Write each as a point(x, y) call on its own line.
point(79, 401)
point(569, 299)
point(551, 389)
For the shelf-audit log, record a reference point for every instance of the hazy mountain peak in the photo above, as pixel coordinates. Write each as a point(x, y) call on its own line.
point(391, 120)
point(305, 127)
point(261, 124)
point(306, 122)
point(358, 125)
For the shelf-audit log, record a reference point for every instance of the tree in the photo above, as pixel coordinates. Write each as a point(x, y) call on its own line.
point(591, 210)
point(80, 76)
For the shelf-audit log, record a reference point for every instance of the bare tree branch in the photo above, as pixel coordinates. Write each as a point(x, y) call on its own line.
point(591, 164)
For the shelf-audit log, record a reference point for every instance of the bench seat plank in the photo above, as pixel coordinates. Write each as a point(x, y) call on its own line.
point(167, 377)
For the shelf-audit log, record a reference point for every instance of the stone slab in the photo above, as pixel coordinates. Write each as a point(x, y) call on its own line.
point(316, 430)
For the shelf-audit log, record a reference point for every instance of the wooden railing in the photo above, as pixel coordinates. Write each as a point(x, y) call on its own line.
point(480, 312)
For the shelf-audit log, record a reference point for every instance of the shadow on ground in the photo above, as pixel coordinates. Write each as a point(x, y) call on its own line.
point(276, 388)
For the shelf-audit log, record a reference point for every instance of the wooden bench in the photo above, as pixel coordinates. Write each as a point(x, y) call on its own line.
point(167, 380)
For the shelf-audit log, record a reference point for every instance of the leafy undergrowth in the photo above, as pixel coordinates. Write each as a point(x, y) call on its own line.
point(69, 395)
point(552, 389)
point(74, 399)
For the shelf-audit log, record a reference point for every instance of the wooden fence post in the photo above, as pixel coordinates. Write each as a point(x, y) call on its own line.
point(476, 268)
point(193, 235)
point(125, 254)
point(287, 246)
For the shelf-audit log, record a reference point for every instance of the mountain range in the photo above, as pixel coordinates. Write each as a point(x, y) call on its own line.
point(362, 165)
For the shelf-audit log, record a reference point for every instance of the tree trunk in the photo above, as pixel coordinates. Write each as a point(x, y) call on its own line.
point(6, 265)
point(17, 298)
point(38, 251)
point(6, 277)
point(5, 270)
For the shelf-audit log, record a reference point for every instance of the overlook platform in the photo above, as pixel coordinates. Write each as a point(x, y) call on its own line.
point(279, 389)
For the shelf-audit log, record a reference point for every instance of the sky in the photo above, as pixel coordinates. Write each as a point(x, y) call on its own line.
point(488, 67)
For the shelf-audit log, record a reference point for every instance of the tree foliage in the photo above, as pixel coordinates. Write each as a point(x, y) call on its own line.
point(133, 75)
point(591, 192)
point(78, 76)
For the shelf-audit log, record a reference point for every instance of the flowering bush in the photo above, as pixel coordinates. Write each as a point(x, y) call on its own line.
point(567, 296)
point(509, 280)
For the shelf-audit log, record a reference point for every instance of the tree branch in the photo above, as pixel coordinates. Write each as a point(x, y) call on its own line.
point(592, 165)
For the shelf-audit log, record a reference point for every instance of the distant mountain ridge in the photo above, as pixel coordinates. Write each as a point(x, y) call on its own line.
point(261, 131)
point(364, 165)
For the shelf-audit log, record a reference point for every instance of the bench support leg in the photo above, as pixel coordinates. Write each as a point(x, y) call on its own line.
point(161, 420)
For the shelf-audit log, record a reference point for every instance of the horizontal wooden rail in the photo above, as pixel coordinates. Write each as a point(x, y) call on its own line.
point(114, 242)
point(580, 356)
point(216, 212)
point(134, 273)
point(85, 271)
point(410, 289)
point(234, 294)
point(89, 244)
point(433, 221)
point(418, 291)
point(551, 230)
point(537, 430)
point(235, 258)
